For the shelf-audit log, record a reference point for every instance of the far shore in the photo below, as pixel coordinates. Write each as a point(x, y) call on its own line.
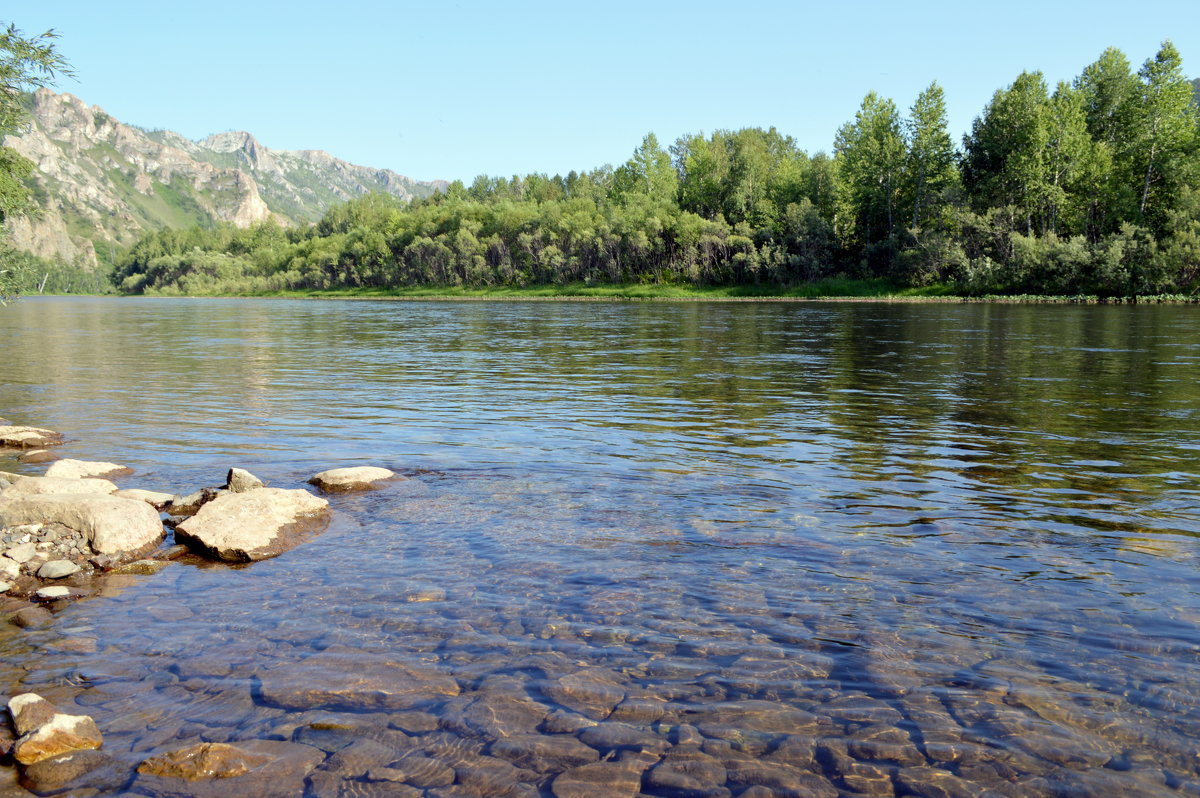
point(832, 290)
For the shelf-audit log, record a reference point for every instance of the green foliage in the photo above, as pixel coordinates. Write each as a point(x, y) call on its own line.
point(25, 64)
point(1089, 190)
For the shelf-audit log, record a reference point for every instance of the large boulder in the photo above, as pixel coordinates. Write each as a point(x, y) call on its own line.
point(80, 469)
point(348, 479)
point(45, 732)
point(28, 437)
point(113, 526)
point(243, 527)
point(33, 485)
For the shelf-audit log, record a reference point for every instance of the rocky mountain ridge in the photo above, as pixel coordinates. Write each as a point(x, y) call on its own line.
point(100, 184)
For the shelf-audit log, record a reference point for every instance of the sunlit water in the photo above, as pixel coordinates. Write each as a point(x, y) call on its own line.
point(853, 549)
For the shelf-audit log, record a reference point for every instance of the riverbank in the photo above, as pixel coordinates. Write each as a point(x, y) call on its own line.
point(830, 290)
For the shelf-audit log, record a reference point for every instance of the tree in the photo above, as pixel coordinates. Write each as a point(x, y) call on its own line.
point(1166, 128)
point(647, 174)
point(25, 64)
point(1005, 152)
point(931, 167)
point(870, 153)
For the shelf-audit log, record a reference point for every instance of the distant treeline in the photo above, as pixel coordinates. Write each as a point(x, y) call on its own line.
point(1089, 188)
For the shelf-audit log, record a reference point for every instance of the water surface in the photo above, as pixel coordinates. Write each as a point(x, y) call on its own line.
point(813, 549)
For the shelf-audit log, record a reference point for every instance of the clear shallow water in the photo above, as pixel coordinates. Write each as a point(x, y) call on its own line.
point(817, 549)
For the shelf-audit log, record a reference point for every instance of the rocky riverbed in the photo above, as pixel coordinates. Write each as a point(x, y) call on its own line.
point(471, 676)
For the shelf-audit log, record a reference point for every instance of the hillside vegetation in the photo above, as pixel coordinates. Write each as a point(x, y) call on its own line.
point(1088, 187)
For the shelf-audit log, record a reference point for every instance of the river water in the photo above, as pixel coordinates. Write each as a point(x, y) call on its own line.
point(721, 549)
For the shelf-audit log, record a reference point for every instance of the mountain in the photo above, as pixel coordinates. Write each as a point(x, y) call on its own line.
point(100, 183)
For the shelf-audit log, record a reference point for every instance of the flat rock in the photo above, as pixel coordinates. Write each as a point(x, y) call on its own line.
point(156, 499)
point(544, 752)
point(21, 553)
point(600, 780)
point(355, 681)
point(57, 569)
point(760, 716)
point(113, 526)
point(37, 456)
point(30, 617)
point(82, 772)
point(28, 437)
point(239, 480)
point(593, 692)
point(262, 768)
point(243, 527)
point(41, 485)
point(82, 469)
point(348, 479)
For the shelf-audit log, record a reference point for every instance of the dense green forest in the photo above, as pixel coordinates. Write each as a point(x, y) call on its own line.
point(1089, 187)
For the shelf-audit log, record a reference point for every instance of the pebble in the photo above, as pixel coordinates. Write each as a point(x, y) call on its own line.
point(55, 592)
point(57, 569)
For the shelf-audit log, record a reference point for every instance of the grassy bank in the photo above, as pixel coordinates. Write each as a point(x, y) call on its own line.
point(831, 289)
point(824, 289)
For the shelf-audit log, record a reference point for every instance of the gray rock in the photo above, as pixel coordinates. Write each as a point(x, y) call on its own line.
point(22, 553)
point(262, 523)
point(28, 437)
point(112, 525)
point(32, 616)
point(43, 485)
point(349, 479)
point(57, 569)
point(239, 480)
point(192, 502)
point(82, 469)
point(154, 498)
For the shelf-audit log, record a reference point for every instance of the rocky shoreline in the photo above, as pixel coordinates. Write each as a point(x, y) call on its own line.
point(62, 533)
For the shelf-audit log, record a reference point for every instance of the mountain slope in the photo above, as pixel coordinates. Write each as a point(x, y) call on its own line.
point(100, 183)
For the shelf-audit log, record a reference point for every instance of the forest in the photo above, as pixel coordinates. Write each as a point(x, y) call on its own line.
point(1089, 187)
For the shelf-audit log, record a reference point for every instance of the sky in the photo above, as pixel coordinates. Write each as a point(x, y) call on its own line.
point(451, 90)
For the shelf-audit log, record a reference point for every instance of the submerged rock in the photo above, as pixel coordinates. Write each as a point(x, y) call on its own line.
point(354, 681)
point(262, 768)
point(242, 527)
point(37, 456)
point(82, 469)
point(28, 437)
point(349, 479)
point(112, 525)
point(78, 771)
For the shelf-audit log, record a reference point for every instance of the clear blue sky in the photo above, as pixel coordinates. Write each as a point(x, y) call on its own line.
point(455, 89)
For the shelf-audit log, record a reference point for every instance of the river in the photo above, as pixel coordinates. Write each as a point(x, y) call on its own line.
point(824, 549)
